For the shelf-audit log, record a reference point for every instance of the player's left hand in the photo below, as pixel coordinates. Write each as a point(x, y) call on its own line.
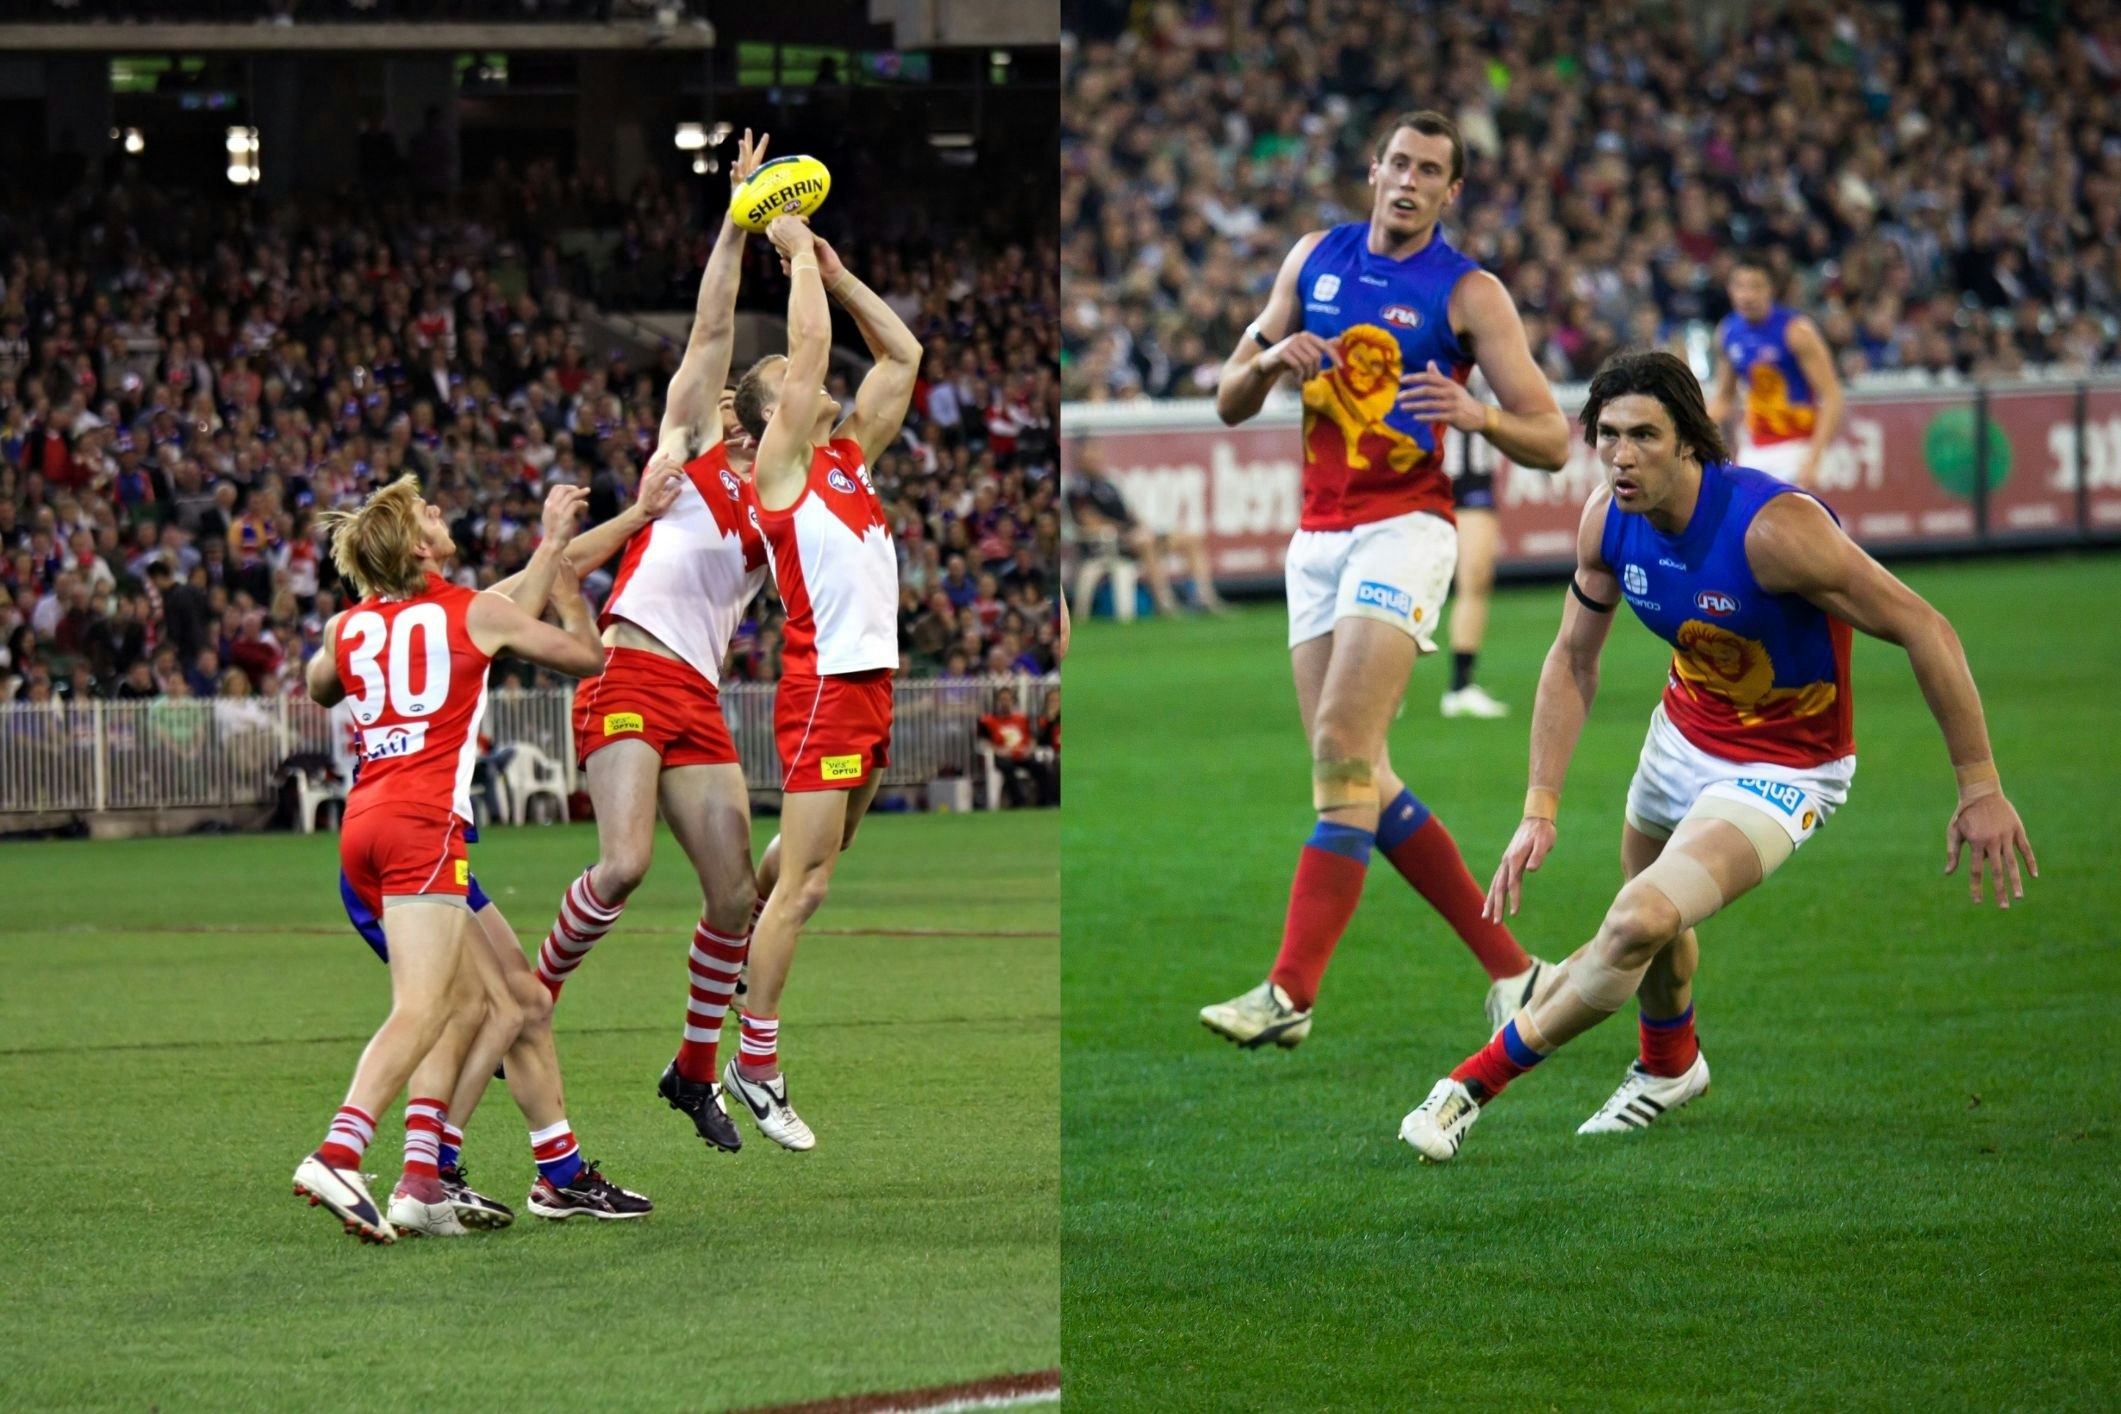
point(1991, 830)
point(1528, 850)
point(750, 156)
point(1432, 395)
point(563, 507)
point(660, 481)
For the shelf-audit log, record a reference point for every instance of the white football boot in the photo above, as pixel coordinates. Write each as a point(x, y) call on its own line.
point(1642, 1097)
point(1438, 1125)
point(1472, 700)
point(423, 1209)
point(1510, 994)
point(1256, 1017)
point(343, 1192)
point(768, 1102)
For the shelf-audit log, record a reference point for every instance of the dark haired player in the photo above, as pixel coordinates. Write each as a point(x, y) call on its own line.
point(1792, 394)
point(1381, 322)
point(1756, 587)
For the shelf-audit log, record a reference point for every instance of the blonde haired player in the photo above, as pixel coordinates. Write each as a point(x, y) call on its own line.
point(412, 655)
point(838, 576)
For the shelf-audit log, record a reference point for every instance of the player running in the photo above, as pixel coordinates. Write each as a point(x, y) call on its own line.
point(838, 576)
point(518, 1024)
point(651, 728)
point(414, 652)
point(1750, 751)
point(1364, 315)
point(1792, 394)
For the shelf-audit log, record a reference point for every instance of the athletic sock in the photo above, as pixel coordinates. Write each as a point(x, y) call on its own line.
point(715, 960)
point(1669, 1046)
point(452, 1145)
point(583, 918)
point(1322, 898)
point(557, 1157)
point(351, 1129)
point(1461, 671)
point(423, 1137)
point(1426, 856)
point(1497, 1063)
point(759, 1042)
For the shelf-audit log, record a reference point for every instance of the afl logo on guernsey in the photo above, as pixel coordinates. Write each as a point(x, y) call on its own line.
point(1400, 316)
point(730, 484)
point(839, 481)
point(1716, 602)
point(1326, 287)
point(1634, 580)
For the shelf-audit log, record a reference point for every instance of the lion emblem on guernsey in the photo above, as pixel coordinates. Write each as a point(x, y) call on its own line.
point(1718, 663)
point(1357, 393)
point(1768, 409)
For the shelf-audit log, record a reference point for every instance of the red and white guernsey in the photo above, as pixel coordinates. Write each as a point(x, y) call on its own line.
point(687, 576)
point(417, 686)
point(836, 568)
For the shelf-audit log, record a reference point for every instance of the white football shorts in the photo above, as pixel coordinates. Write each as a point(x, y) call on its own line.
point(1674, 773)
point(1396, 571)
point(1781, 460)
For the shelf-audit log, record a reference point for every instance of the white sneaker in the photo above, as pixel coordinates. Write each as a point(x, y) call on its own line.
point(428, 1214)
point(1256, 1017)
point(1509, 994)
point(1472, 700)
point(346, 1196)
point(1438, 1125)
point(768, 1102)
point(1642, 1097)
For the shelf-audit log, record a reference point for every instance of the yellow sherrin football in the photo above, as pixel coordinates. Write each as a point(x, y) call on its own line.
point(797, 184)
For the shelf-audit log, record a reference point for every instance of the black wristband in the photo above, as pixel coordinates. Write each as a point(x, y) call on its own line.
point(1586, 600)
point(1259, 338)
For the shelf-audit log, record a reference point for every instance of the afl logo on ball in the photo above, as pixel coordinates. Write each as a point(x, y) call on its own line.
point(1400, 316)
point(732, 485)
point(1716, 602)
point(839, 481)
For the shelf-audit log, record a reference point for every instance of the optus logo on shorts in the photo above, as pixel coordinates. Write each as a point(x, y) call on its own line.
point(840, 768)
point(1384, 596)
point(616, 722)
point(1780, 794)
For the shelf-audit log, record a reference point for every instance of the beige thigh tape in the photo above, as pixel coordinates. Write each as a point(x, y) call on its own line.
point(1687, 883)
point(1769, 840)
point(1601, 986)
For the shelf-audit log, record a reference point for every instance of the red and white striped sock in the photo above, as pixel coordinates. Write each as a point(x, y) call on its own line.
point(554, 1151)
point(351, 1129)
point(423, 1137)
point(583, 918)
point(452, 1145)
point(759, 1043)
point(715, 960)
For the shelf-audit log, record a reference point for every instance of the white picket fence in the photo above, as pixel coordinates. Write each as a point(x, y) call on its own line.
point(201, 753)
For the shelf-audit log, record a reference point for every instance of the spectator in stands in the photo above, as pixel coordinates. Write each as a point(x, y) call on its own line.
point(1102, 515)
point(1008, 731)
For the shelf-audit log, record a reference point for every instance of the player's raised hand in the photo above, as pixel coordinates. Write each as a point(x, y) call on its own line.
point(829, 265)
point(1527, 851)
point(661, 480)
point(1302, 353)
point(563, 508)
point(1989, 828)
point(1431, 395)
point(750, 156)
point(791, 236)
point(566, 589)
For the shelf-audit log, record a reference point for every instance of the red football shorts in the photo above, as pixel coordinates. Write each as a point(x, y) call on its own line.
point(644, 696)
point(397, 851)
point(833, 732)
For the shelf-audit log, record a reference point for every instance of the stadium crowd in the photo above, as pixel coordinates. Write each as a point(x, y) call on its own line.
point(1938, 185)
point(185, 382)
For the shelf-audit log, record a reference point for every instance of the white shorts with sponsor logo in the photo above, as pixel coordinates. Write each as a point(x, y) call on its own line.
point(1674, 773)
point(1781, 460)
point(1397, 571)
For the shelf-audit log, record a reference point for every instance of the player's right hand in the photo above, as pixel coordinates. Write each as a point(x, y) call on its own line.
point(790, 235)
point(563, 507)
point(1527, 851)
point(661, 480)
point(1302, 353)
point(1993, 836)
point(750, 156)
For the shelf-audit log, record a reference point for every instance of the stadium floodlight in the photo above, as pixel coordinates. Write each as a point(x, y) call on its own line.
point(702, 166)
point(135, 141)
point(239, 175)
point(691, 137)
point(720, 134)
point(243, 156)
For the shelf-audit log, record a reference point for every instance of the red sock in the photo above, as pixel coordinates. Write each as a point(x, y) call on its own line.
point(1497, 1063)
point(423, 1137)
point(1328, 885)
point(716, 959)
point(759, 1042)
point(351, 1129)
point(1669, 1046)
point(1430, 861)
point(582, 920)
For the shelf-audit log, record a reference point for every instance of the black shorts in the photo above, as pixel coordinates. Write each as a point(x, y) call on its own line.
point(1473, 491)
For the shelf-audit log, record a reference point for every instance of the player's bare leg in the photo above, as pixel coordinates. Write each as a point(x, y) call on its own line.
point(425, 937)
point(622, 788)
point(1670, 1071)
point(1150, 555)
point(1707, 863)
point(1479, 541)
point(421, 1204)
point(1193, 549)
point(709, 810)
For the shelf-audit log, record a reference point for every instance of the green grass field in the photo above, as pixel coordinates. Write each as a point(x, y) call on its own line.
point(1902, 1191)
point(180, 1017)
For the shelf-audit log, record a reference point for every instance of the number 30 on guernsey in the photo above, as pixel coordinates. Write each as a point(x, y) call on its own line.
point(368, 633)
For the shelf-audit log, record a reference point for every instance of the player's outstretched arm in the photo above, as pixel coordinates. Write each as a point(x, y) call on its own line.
point(1795, 547)
point(1809, 347)
point(886, 392)
point(1528, 426)
point(690, 424)
point(1726, 390)
point(1568, 683)
point(321, 672)
point(783, 463)
point(588, 549)
point(497, 625)
point(532, 585)
point(1264, 354)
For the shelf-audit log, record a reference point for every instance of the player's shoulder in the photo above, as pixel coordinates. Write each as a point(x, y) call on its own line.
point(1788, 525)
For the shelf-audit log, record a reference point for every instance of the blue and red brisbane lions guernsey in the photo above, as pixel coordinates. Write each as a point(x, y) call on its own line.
point(1756, 677)
point(1364, 459)
point(1779, 403)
